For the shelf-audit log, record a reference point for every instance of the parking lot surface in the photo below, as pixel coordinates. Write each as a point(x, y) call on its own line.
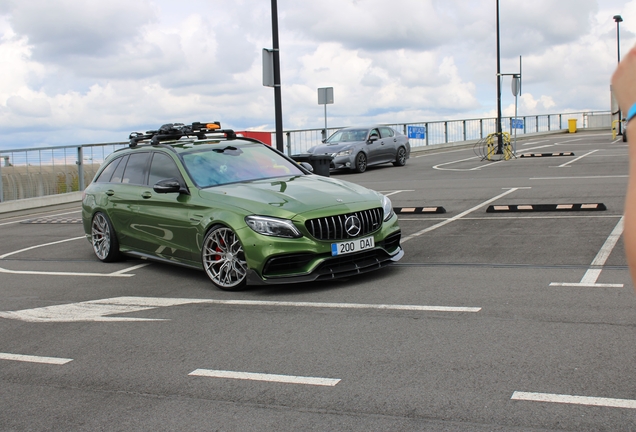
point(512, 310)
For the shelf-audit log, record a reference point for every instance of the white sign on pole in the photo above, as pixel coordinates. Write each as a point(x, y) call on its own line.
point(268, 67)
point(325, 95)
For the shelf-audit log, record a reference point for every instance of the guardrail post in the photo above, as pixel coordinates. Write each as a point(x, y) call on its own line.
point(80, 167)
point(445, 131)
point(481, 128)
point(427, 132)
point(464, 127)
point(288, 134)
point(560, 122)
point(536, 124)
point(549, 118)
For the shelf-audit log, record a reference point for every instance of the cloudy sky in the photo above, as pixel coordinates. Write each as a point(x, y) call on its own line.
point(92, 71)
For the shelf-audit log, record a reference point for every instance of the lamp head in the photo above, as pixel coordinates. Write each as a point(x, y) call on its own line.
point(618, 18)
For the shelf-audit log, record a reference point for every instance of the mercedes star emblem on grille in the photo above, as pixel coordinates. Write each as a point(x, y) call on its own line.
point(353, 226)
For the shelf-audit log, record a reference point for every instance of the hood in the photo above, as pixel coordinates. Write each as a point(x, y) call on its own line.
point(333, 148)
point(289, 196)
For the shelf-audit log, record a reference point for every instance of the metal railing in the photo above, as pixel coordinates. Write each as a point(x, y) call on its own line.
point(37, 172)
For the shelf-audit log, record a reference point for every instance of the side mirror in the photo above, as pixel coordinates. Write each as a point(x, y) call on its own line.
point(373, 138)
point(307, 166)
point(170, 185)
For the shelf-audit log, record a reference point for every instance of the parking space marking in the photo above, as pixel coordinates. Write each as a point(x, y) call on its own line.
point(577, 177)
point(285, 379)
point(119, 273)
point(389, 193)
point(41, 245)
point(575, 400)
point(99, 310)
point(459, 216)
point(592, 274)
point(578, 158)
point(34, 359)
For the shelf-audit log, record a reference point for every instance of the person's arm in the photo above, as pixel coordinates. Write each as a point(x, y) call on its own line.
point(624, 87)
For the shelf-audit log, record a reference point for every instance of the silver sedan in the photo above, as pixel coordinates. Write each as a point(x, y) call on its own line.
point(357, 148)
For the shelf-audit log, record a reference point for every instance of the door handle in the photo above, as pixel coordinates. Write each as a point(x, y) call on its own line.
point(146, 195)
point(110, 192)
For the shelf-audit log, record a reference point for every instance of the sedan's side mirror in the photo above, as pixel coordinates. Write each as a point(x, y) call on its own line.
point(307, 166)
point(170, 185)
point(373, 138)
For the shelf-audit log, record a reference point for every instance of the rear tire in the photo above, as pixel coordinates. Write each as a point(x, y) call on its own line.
point(400, 158)
point(104, 239)
point(223, 259)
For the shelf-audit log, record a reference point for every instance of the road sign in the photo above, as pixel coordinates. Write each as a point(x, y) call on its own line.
point(416, 132)
point(516, 123)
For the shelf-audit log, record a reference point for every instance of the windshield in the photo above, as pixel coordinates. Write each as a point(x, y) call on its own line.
point(348, 135)
point(236, 163)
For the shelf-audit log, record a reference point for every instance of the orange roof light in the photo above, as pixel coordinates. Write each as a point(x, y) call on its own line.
point(213, 126)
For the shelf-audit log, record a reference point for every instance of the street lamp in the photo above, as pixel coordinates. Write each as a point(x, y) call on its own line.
point(618, 20)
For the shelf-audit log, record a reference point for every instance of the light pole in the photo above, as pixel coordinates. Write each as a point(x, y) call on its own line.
point(278, 109)
point(499, 136)
point(618, 20)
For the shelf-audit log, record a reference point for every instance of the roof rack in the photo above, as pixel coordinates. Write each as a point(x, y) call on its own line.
point(175, 131)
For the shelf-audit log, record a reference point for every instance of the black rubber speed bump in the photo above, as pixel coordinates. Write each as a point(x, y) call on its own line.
point(545, 207)
point(546, 154)
point(54, 220)
point(418, 210)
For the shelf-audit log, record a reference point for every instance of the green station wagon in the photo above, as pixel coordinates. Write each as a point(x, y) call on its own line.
point(246, 214)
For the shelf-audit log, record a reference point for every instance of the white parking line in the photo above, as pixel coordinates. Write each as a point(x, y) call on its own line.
point(34, 359)
point(574, 160)
point(592, 274)
point(119, 273)
point(99, 310)
point(41, 245)
point(459, 216)
point(286, 379)
point(576, 400)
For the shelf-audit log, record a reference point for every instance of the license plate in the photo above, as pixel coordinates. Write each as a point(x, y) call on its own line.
point(352, 246)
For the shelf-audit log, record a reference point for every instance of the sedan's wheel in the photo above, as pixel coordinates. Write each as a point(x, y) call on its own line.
point(224, 260)
point(104, 239)
point(400, 159)
point(361, 163)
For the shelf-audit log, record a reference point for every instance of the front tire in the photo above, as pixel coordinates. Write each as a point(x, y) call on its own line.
point(223, 259)
point(104, 239)
point(361, 163)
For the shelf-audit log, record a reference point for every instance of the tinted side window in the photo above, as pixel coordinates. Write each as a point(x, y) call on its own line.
point(386, 132)
point(107, 173)
point(162, 167)
point(136, 169)
point(119, 172)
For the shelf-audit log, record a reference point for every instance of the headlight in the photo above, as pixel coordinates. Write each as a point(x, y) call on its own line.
point(387, 206)
point(272, 226)
point(343, 153)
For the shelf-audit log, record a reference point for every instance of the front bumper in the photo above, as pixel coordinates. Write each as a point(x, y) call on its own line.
point(328, 267)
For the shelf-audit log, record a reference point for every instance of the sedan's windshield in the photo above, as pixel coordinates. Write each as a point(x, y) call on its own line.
point(348, 135)
point(236, 163)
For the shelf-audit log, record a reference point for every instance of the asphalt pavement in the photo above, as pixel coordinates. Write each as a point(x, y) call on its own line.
point(512, 310)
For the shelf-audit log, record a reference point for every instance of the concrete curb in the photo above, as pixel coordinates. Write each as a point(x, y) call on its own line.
point(30, 203)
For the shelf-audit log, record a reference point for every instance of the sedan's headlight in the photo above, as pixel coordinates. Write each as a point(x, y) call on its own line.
point(346, 152)
point(270, 226)
point(387, 206)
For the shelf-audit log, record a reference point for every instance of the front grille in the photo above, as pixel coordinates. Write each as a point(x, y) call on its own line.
point(334, 227)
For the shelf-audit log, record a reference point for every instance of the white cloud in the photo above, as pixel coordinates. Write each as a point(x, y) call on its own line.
point(93, 71)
